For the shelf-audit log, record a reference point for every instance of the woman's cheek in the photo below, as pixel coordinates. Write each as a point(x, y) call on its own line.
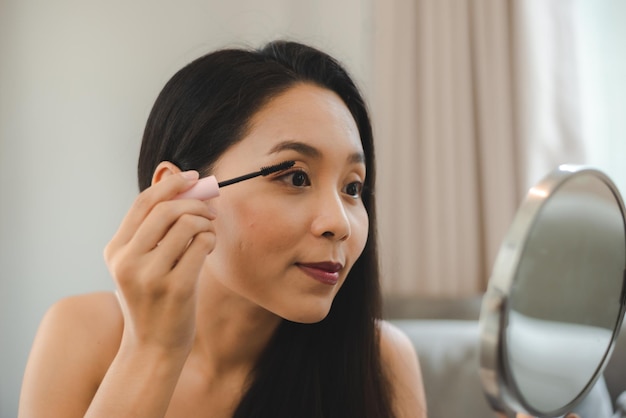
point(362, 228)
point(267, 225)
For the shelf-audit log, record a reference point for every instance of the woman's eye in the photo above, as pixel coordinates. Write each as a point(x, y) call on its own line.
point(298, 178)
point(354, 189)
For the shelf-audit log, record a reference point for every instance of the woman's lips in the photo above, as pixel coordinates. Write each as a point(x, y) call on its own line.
point(325, 272)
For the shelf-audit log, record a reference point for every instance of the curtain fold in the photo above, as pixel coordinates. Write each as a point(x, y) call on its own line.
point(548, 103)
point(457, 106)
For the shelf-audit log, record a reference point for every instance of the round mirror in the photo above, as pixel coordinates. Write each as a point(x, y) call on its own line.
point(555, 300)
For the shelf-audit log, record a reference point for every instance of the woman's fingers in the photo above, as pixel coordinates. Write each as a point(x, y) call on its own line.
point(156, 233)
point(164, 217)
point(160, 244)
point(164, 190)
point(178, 239)
point(191, 262)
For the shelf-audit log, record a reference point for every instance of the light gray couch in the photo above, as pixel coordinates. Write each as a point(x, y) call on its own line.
point(446, 337)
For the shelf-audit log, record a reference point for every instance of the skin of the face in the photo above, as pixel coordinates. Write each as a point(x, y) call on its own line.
point(272, 230)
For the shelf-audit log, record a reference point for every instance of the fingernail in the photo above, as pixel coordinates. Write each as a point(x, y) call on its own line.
point(191, 175)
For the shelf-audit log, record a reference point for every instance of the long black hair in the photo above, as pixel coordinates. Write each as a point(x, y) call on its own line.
point(324, 370)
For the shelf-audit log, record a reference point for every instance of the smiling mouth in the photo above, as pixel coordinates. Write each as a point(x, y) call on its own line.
point(326, 272)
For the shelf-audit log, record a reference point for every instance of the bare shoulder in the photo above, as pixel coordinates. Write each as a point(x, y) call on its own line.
point(397, 350)
point(97, 305)
point(93, 322)
point(94, 317)
point(401, 362)
point(76, 341)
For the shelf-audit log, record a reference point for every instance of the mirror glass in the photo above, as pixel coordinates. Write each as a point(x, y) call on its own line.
point(554, 303)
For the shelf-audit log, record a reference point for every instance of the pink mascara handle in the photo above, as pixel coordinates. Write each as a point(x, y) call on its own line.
point(206, 188)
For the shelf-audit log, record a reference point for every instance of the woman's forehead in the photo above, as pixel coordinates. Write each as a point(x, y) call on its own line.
point(306, 114)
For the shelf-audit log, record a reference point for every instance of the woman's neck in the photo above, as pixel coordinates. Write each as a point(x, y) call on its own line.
point(231, 332)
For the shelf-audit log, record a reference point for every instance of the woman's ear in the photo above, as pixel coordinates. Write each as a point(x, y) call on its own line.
point(163, 170)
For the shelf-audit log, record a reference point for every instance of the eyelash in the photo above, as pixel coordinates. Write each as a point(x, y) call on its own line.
point(307, 182)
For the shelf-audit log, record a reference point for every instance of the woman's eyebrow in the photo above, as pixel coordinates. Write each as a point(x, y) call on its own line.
point(300, 147)
point(356, 158)
point(310, 151)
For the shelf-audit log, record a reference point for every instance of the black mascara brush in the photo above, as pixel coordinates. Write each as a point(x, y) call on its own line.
point(208, 187)
point(264, 171)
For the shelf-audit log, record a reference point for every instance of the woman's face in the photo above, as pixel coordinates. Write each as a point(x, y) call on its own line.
point(286, 242)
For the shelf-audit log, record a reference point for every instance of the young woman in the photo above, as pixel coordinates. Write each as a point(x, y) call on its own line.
point(262, 302)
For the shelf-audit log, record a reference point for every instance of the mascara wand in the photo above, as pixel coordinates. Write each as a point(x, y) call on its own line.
point(208, 187)
point(264, 171)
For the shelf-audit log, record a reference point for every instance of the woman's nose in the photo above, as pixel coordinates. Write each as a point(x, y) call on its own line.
point(331, 220)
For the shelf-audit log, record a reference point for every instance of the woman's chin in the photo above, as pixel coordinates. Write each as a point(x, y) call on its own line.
point(303, 315)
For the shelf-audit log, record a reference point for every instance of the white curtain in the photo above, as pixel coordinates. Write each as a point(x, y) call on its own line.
point(473, 102)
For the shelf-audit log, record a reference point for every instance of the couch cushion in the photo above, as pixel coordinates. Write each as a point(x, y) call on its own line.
point(448, 354)
point(448, 351)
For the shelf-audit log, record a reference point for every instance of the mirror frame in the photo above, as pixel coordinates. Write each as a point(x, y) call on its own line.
point(498, 383)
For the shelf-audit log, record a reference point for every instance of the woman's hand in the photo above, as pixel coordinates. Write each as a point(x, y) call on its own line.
point(155, 259)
